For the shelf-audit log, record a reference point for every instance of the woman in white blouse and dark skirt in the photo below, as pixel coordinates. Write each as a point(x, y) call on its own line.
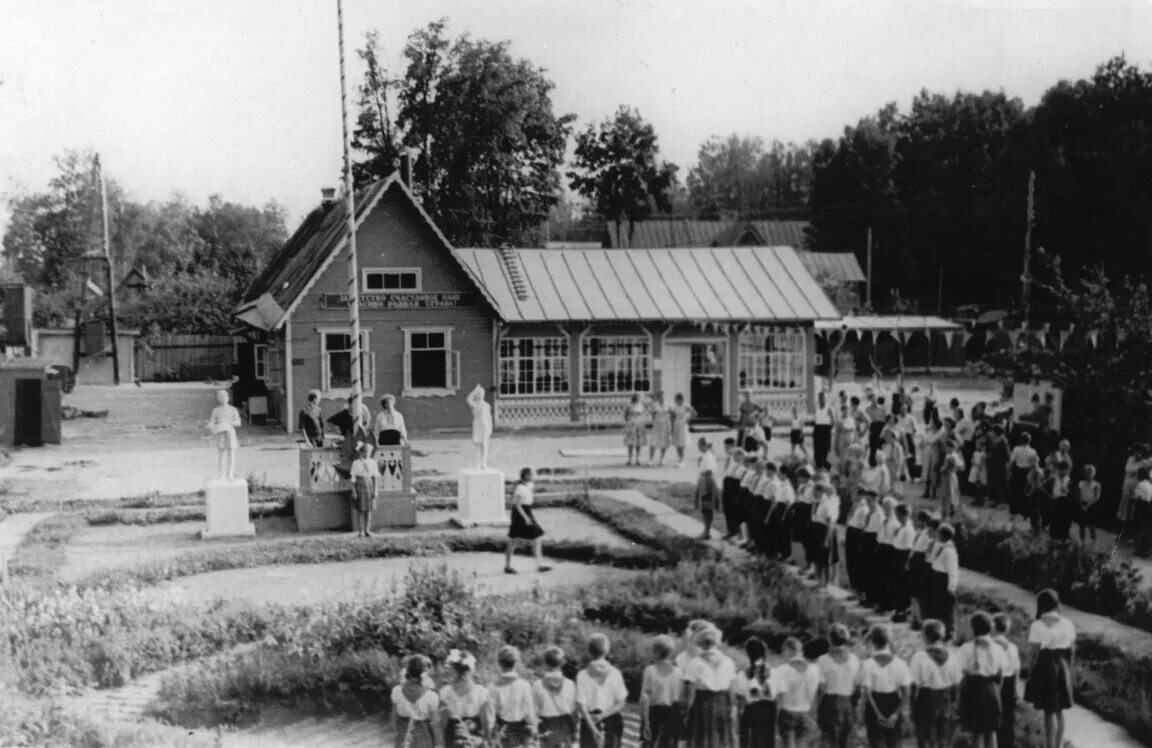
point(524, 525)
point(389, 427)
point(1049, 687)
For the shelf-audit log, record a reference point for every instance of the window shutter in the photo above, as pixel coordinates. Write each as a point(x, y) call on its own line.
point(325, 383)
point(454, 374)
point(407, 371)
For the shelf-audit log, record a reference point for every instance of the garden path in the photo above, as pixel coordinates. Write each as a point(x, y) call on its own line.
point(1085, 729)
point(12, 531)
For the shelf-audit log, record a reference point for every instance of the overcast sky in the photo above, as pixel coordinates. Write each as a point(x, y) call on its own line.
point(242, 97)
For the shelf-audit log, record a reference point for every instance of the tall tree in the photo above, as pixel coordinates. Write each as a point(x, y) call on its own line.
point(736, 177)
point(617, 167)
point(489, 145)
point(236, 241)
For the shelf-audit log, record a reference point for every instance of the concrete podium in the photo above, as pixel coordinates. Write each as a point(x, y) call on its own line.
point(226, 507)
point(480, 498)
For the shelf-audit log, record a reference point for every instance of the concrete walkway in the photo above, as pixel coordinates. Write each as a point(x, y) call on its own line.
point(12, 531)
point(1084, 728)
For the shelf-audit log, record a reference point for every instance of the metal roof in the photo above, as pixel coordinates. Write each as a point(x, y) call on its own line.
point(685, 232)
point(706, 284)
point(888, 322)
point(836, 266)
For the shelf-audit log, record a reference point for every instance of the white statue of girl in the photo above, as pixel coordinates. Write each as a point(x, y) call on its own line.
point(223, 423)
point(481, 426)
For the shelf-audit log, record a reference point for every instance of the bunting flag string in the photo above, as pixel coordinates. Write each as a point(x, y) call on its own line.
point(1014, 336)
point(1042, 336)
point(948, 336)
point(1121, 335)
point(1093, 337)
point(989, 335)
point(1063, 338)
point(965, 337)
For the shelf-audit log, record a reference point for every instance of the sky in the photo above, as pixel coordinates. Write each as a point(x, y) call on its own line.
point(242, 97)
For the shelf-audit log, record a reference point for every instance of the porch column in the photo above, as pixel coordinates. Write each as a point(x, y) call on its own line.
point(810, 366)
point(576, 333)
point(289, 394)
point(658, 332)
point(732, 376)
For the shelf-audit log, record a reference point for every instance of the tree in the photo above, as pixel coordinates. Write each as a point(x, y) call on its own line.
point(616, 167)
point(236, 241)
point(735, 177)
point(489, 145)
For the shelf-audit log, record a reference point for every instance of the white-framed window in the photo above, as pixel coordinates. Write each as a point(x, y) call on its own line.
point(615, 364)
point(336, 362)
point(776, 359)
point(391, 280)
point(431, 367)
point(534, 366)
point(260, 361)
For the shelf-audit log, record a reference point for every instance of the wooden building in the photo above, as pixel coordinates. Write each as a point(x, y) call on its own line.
point(558, 336)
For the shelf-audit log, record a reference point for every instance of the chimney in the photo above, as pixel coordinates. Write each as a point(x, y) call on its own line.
point(327, 196)
point(406, 169)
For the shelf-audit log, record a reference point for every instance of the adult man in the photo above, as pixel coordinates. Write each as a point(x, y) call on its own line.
point(748, 414)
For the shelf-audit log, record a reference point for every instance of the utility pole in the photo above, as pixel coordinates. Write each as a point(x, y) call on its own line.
point(111, 283)
point(868, 261)
point(1026, 276)
point(353, 273)
point(940, 293)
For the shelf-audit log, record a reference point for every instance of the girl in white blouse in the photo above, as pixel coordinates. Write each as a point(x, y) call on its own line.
point(839, 671)
point(512, 702)
point(710, 675)
point(1001, 627)
point(1049, 687)
point(935, 676)
point(983, 664)
point(660, 693)
point(752, 690)
point(884, 683)
point(555, 700)
point(600, 697)
point(464, 703)
point(415, 707)
point(796, 684)
point(823, 543)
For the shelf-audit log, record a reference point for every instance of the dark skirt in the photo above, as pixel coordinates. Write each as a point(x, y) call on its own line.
point(1049, 688)
point(665, 725)
point(611, 728)
point(900, 597)
point(822, 443)
point(709, 720)
point(522, 530)
point(782, 526)
point(866, 560)
point(943, 601)
point(1017, 494)
point(980, 704)
point(388, 438)
point(931, 705)
point(513, 734)
point(853, 538)
point(416, 733)
point(794, 723)
point(557, 732)
point(816, 549)
point(921, 580)
point(758, 725)
point(836, 716)
point(888, 704)
point(730, 499)
point(459, 731)
point(801, 518)
point(363, 495)
point(796, 437)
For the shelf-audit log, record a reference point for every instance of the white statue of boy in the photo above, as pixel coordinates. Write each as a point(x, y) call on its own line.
point(481, 426)
point(223, 423)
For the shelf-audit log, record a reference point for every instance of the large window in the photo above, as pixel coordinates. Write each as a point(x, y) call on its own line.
point(392, 280)
point(431, 367)
point(615, 365)
point(534, 366)
point(773, 360)
point(336, 362)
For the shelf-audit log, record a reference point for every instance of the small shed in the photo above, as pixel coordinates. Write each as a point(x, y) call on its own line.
point(30, 392)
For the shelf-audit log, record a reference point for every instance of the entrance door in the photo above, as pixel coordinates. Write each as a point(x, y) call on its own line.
point(708, 380)
point(27, 428)
point(677, 375)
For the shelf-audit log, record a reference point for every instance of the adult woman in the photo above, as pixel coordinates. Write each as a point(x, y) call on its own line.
point(524, 525)
point(1022, 460)
point(311, 421)
point(1137, 456)
point(661, 435)
point(389, 427)
point(996, 464)
point(822, 431)
point(682, 415)
point(710, 675)
point(464, 705)
point(1049, 687)
point(634, 417)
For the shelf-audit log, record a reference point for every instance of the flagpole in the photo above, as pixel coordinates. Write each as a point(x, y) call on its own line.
point(353, 272)
point(111, 284)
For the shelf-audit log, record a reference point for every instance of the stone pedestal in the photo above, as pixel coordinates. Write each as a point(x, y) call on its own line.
point(480, 498)
point(227, 509)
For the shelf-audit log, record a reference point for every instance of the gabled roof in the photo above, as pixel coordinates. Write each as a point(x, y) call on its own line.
point(686, 232)
point(706, 284)
point(842, 267)
point(273, 296)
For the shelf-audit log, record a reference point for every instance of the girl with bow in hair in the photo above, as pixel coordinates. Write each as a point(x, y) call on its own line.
point(464, 704)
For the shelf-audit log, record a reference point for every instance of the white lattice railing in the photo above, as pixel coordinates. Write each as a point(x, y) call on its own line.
point(778, 404)
point(533, 411)
point(600, 410)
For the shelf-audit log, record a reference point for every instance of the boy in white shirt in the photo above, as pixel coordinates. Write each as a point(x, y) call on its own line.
point(601, 695)
point(839, 672)
point(1001, 627)
point(936, 676)
point(796, 683)
point(884, 681)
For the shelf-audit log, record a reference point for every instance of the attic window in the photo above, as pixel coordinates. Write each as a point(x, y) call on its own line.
point(392, 280)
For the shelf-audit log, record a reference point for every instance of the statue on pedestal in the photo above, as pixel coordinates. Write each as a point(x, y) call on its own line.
point(481, 427)
point(223, 422)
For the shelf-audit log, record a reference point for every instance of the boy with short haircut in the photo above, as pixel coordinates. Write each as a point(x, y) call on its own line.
point(706, 491)
point(600, 697)
point(1087, 495)
point(901, 579)
point(730, 487)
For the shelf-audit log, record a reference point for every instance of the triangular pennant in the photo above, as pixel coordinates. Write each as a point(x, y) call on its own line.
point(988, 336)
point(965, 337)
point(1093, 337)
point(1071, 327)
point(1121, 335)
point(1013, 336)
point(1042, 336)
point(1062, 338)
point(948, 336)
point(1000, 324)
point(902, 335)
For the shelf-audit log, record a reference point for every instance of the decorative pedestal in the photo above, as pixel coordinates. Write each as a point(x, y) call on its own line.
point(227, 509)
point(480, 498)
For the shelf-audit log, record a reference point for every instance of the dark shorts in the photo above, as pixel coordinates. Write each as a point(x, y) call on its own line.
point(793, 723)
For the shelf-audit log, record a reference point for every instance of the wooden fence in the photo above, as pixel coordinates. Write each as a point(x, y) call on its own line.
point(185, 358)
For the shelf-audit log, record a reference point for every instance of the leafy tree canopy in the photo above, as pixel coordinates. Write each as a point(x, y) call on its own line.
point(735, 177)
